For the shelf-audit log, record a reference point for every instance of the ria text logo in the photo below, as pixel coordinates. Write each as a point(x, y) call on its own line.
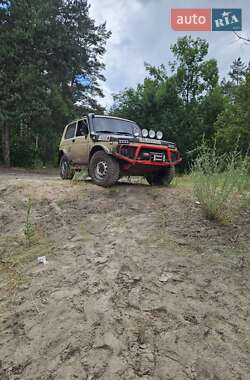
point(206, 19)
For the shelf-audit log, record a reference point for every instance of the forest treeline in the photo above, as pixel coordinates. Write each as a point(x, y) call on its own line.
point(188, 102)
point(51, 71)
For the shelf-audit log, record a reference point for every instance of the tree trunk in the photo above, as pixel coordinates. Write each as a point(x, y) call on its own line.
point(6, 144)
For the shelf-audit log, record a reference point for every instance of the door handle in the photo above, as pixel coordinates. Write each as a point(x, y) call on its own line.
point(73, 140)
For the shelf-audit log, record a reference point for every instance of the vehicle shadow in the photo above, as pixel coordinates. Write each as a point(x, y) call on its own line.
point(130, 183)
point(122, 183)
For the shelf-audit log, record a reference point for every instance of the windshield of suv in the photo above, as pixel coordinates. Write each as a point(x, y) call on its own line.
point(115, 126)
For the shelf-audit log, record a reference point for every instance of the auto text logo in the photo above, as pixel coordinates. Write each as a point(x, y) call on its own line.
point(206, 19)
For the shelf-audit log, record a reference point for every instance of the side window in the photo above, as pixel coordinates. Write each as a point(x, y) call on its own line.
point(82, 128)
point(70, 133)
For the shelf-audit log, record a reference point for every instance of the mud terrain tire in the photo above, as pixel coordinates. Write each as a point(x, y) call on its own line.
point(65, 170)
point(104, 169)
point(162, 178)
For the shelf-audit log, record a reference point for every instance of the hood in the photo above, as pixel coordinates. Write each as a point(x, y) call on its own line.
point(124, 139)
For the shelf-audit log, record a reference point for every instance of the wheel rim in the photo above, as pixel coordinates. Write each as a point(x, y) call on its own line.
point(64, 167)
point(101, 169)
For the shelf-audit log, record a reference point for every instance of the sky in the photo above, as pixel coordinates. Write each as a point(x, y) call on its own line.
point(141, 32)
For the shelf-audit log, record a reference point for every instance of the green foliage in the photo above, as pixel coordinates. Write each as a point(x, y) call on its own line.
point(28, 230)
point(194, 74)
point(245, 174)
point(188, 103)
point(182, 181)
point(212, 105)
point(238, 71)
point(233, 123)
point(216, 178)
point(43, 46)
point(23, 152)
point(183, 104)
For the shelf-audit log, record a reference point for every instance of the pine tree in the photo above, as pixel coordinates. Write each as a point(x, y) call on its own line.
point(44, 46)
point(237, 72)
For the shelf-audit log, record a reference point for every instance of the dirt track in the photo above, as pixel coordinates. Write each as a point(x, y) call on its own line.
point(137, 286)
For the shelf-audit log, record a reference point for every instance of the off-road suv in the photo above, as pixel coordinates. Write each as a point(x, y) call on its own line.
point(112, 147)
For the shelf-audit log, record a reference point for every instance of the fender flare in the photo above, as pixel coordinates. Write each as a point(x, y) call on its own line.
point(60, 154)
point(97, 148)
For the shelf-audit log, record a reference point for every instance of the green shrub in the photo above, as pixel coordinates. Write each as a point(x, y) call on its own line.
point(216, 178)
point(23, 152)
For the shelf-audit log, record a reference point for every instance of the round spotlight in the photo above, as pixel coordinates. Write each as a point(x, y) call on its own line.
point(152, 134)
point(144, 133)
point(136, 134)
point(159, 135)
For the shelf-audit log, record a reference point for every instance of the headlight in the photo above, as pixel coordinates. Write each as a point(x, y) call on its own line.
point(136, 134)
point(144, 133)
point(159, 135)
point(152, 134)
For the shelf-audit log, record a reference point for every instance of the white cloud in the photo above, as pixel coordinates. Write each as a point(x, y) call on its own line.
point(141, 32)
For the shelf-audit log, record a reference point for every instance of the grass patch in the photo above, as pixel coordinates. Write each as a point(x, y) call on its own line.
point(245, 201)
point(184, 181)
point(216, 179)
point(80, 175)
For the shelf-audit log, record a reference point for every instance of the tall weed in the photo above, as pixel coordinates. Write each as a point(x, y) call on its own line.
point(216, 178)
point(28, 230)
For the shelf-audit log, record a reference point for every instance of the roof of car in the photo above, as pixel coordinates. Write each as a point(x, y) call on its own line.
point(100, 116)
point(114, 117)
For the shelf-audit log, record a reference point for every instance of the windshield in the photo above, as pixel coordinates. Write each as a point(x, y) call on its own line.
point(115, 126)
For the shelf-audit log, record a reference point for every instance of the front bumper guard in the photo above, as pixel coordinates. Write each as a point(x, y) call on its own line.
point(137, 161)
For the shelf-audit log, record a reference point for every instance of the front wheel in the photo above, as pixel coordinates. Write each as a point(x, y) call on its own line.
point(163, 177)
point(65, 170)
point(104, 169)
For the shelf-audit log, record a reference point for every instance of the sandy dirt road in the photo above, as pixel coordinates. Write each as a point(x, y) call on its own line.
point(138, 284)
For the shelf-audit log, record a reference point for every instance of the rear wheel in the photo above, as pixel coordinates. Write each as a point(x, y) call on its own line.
point(65, 170)
point(163, 177)
point(104, 169)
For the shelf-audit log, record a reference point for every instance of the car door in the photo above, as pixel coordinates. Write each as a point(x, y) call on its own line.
point(69, 140)
point(80, 148)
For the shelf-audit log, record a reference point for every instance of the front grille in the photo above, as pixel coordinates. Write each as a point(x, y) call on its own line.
point(128, 151)
point(155, 155)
